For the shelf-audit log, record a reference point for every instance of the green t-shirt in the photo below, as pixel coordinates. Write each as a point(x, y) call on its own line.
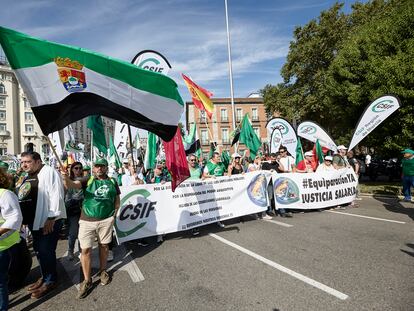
point(215, 169)
point(408, 166)
point(99, 198)
point(339, 160)
point(195, 173)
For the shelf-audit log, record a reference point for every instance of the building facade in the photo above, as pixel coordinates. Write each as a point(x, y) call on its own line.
point(19, 130)
point(219, 128)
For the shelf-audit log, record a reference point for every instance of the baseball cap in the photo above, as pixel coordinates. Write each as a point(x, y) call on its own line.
point(101, 162)
point(309, 153)
point(125, 161)
point(236, 155)
point(328, 158)
point(4, 165)
point(408, 151)
point(342, 147)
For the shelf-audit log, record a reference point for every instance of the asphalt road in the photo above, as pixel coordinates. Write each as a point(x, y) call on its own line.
point(323, 261)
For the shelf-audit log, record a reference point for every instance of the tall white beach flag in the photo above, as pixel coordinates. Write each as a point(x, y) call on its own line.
point(312, 131)
point(289, 139)
point(374, 115)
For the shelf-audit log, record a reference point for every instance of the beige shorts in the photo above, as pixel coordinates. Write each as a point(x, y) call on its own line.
point(89, 229)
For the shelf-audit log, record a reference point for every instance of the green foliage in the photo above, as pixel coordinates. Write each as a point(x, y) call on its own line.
point(337, 64)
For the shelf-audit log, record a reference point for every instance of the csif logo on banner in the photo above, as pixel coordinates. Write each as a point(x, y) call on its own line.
point(382, 106)
point(136, 214)
point(282, 127)
point(152, 61)
point(308, 129)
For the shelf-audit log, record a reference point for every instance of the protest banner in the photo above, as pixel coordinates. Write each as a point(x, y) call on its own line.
point(275, 140)
point(314, 190)
point(289, 138)
point(153, 209)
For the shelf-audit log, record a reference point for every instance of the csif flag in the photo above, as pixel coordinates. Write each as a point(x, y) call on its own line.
point(65, 84)
point(113, 155)
point(95, 124)
point(374, 115)
point(200, 96)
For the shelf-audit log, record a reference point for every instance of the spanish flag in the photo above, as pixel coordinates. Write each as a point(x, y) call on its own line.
point(200, 96)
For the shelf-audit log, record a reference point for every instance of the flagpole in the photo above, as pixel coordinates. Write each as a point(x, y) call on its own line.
point(54, 151)
point(230, 69)
point(130, 146)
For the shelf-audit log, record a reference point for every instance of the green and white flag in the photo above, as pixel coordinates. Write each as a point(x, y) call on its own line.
point(65, 84)
point(98, 138)
point(113, 155)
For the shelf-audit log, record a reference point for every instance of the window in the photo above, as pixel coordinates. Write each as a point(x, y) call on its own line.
point(28, 128)
point(223, 115)
point(26, 103)
point(239, 114)
point(2, 89)
point(3, 151)
point(45, 149)
point(257, 131)
point(202, 116)
point(2, 115)
point(225, 136)
point(2, 102)
point(3, 127)
point(28, 116)
point(255, 115)
point(204, 137)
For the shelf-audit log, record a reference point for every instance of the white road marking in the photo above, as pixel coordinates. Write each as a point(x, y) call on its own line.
point(362, 216)
point(278, 223)
point(122, 258)
point(281, 268)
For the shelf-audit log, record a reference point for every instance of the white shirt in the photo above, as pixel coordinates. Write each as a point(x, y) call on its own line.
point(287, 163)
point(323, 168)
point(10, 211)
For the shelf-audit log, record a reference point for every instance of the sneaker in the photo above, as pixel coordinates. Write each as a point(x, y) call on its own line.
point(195, 231)
point(358, 199)
point(105, 278)
point(220, 224)
point(267, 217)
point(84, 289)
point(110, 256)
point(160, 239)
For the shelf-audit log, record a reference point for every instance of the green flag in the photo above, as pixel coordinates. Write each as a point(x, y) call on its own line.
point(249, 137)
point(299, 152)
point(113, 155)
point(225, 158)
point(319, 152)
point(96, 126)
point(151, 152)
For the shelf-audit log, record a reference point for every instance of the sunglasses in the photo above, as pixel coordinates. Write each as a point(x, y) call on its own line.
point(192, 160)
point(282, 151)
point(77, 168)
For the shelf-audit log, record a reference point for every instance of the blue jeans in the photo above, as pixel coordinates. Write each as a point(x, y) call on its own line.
point(4, 273)
point(408, 182)
point(44, 246)
point(73, 223)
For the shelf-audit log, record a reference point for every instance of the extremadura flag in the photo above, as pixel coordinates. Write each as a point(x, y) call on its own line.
point(65, 84)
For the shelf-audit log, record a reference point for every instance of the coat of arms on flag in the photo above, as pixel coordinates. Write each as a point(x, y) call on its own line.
point(71, 74)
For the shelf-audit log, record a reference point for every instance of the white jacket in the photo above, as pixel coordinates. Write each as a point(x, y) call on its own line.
point(50, 197)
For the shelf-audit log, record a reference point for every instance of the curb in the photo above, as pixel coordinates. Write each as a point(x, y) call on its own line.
point(382, 195)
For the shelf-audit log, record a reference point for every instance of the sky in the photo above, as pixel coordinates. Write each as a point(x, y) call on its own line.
point(191, 34)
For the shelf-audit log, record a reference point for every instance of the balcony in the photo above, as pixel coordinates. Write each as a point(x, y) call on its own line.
point(4, 133)
point(205, 142)
point(29, 134)
point(255, 119)
point(226, 141)
point(224, 119)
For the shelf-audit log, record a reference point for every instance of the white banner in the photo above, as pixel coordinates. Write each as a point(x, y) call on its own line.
point(121, 139)
point(153, 209)
point(275, 140)
point(374, 114)
point(314, 190)
point(288, 133)
point(313, 131)
point(152, 61)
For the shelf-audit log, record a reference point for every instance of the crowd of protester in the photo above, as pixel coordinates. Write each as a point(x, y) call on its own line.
point(37, 200)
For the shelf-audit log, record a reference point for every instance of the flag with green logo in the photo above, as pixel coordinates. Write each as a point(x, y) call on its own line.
point(96, 126)
point(225, 158)
point(318, 154)
point(249, 137)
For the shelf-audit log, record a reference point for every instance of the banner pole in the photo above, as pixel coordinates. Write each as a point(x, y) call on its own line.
point(54, 151)
point(130, 146)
